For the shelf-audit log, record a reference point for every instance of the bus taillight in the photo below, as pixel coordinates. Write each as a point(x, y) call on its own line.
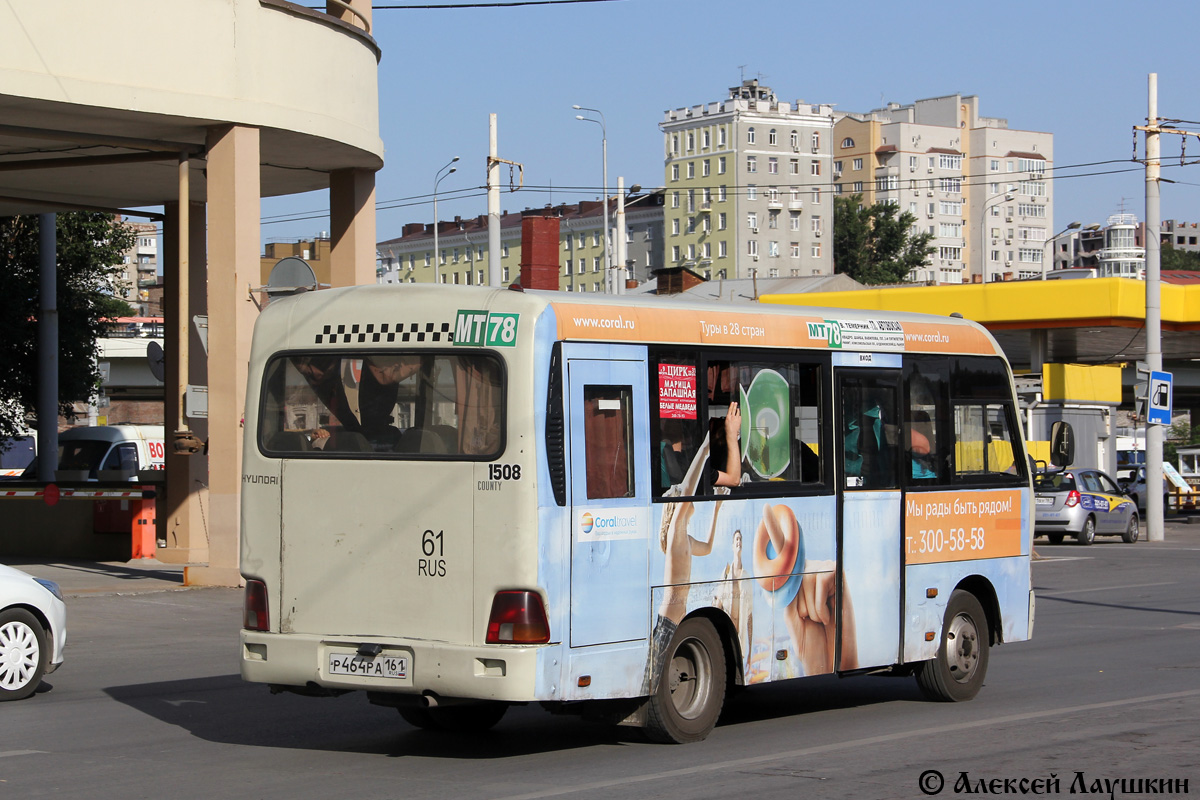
point(254, 611)
point(518, 617)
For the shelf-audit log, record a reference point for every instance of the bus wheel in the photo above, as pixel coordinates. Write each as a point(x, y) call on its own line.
point(417, 717)
point(470, 718)
point(958, 670)
point(1054, 538)
point(691, 689)
point(1131, 530)
point(1087, 534)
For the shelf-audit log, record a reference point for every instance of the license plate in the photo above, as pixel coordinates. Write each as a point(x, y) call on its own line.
point(1045, 501)
point(377, 667)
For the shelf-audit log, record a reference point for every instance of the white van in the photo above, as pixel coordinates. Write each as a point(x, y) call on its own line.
point(107, 453)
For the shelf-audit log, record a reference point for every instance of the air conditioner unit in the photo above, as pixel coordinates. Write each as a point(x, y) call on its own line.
point(930, 170)
point(1008, 263)
point(754, 257)
point(795, 148)
point(912, 169)
point(754, 230)
point(1008, 217)
point(1008, 241)
point(931, 192)
point(816, 148)
point(817, 234)
point(929, 214)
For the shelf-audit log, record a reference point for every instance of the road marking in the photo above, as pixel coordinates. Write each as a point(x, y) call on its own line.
point(1106, 588)
point(1048, 559)
point(849, 745)
point(7, 753)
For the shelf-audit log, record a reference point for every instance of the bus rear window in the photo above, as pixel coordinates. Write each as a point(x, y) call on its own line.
point(389, 404)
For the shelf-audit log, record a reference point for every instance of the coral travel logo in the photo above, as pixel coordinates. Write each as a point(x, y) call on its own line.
point(605, 525)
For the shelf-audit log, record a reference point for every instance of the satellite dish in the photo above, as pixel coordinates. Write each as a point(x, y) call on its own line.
point(157, 359)
point(291, 275)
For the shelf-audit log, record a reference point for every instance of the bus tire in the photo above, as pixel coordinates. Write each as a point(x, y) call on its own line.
point(469, 718)
point(1087, 534)
point(691, 689)
point(417, 717)
point(957, 672)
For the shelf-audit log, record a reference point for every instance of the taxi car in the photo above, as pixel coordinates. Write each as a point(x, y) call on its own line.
point(1084, 503)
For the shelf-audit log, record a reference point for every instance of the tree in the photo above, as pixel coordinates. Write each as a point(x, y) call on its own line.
point(1178, 259)
point(876, 244)
point(90, 246)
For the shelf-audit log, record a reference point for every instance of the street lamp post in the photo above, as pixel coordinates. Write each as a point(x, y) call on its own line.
point(604, 150)
point(1070, 227)
point(436, 180)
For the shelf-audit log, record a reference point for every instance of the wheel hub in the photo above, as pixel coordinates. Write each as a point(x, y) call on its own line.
point(962, 648)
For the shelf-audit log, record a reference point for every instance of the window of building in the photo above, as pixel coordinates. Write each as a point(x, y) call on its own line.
point(750, 135)
point(816, 196)
point(994, 165)
point(816, 223)
point(674, 199)
point(705, 138)
point(675, 144)
point(691, 201)
point(814, 167)
point(721, 221)
point(771, 138)
point(951, 208)
point(720, 194)
point(721, 136)
point(705, 168)
point(752, 220)
point(595, 238)
point(950, 253)
point(751, 164)
point(722, 249)
point(567, 266)
point(794, 249)
point(949, 230)
point(773, 165)
point(691, 224)
point(691, 169)
point(857, 165)
point(1033, 188)
point(674, 172)
point(721, 165)
point(794, 166)
point(913, 163)
point(595, 263)
point(582, 240)
point(816, 140)
point(773, 251)
point(691, 252)
point(675, 226)
point(752, 247)
point(1037, 165)
point(951, 185)
point(887, 183)
point(816, 250)
point(794, 220)
point(1029, 255)
point(949, 161)
point(751, 191)
point(504, 251)
point(856, 187)
point(847, 142)
point(795, 140)
point(675, 252)
point(691, 141)
point(706, 250)
point(1033, 210)
point(772, 219)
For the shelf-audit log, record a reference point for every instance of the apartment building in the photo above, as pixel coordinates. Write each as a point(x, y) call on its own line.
point(982, 189)
point(748, 186)
point(139, 270)
point(1116, 249)
point(1180, 235)
point(463, 257)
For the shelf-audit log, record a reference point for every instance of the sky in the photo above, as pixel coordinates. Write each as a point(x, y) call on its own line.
point(1075, 69)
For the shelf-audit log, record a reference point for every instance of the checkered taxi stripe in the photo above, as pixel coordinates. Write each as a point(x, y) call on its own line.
point(386, 332)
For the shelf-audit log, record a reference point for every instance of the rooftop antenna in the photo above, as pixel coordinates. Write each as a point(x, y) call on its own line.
point(741, 73)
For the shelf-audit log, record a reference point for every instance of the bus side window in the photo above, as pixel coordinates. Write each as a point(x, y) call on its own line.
point(608, 441)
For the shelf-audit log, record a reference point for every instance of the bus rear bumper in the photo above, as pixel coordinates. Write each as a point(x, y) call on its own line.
point(504, 672)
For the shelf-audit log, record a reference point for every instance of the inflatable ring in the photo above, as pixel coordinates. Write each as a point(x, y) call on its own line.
point(775, 568)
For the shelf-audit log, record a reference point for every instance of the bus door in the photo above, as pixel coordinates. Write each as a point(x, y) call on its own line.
point(608, 431)
point(869, 508)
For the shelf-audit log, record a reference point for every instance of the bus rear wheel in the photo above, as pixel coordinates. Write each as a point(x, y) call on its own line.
point(473, 718)
point(956, 673)
point(691, 690)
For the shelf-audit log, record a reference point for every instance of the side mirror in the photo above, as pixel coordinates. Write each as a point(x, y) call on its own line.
point(1062, 444)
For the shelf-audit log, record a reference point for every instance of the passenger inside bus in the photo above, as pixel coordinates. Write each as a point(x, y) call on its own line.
point(921, 446)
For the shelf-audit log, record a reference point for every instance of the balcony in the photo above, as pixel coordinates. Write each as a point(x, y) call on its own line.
point(795, 205)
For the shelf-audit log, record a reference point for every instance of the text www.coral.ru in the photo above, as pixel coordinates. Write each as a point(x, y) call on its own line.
point(593, 322)
point(936, 336)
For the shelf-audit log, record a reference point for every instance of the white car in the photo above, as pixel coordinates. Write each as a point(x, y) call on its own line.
point(33, 631)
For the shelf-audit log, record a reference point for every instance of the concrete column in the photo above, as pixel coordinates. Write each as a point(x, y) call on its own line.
point(182, 510)
point(352, 223)
point(233, 257)
point(1039, 343)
